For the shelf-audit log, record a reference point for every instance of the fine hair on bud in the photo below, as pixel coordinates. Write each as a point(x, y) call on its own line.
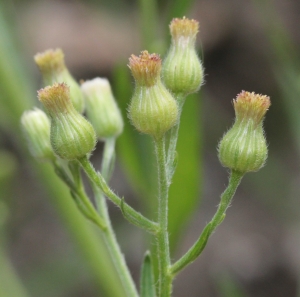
point(53, 69)
point(36, 129)
point(182, 68)
point(101, 108)
point(152, 110)
point(243, 148)
point(71, 135)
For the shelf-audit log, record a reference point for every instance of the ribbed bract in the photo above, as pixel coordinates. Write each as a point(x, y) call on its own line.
point(182, 70)
point(244, 148)
point(36, 129)
point(53, 69)
point(153, 110)
point(71, 135)
point(101, 108)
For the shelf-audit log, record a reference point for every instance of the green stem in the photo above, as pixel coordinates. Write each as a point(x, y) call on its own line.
point(173, 137)
point(98, 179)
point(108, 234)
point(78, 190)
point(164, 278)
point(108, 158)
point(114, 248)
point(197, 248)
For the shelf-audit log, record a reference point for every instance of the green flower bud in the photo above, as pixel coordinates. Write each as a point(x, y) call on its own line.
point(52, 66)
point(101, 108)
point(71, 135)
point(36, 128)
point(244, 148)
point(152, 110)
point(182, 69)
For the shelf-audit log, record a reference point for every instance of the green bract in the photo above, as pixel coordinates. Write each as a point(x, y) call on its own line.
point(152, 110)
point(182, 69)
point(101, 108)
point(36, 128)
point(52, 66)
point(71, 136)
point(243, 148)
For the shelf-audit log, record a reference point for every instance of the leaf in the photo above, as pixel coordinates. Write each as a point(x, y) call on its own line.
point(147, 282)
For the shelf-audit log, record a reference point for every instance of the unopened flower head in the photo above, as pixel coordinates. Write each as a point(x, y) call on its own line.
point(36, 129)
point(101, 108)
point(184, 30)
point(71, 135)
point(52, 66)
point(243, 148)
point(152, 110)
point(145, 68)
point(251, 106)
point(182, 68)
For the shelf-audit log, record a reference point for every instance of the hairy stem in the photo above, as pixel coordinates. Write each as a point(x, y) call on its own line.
point(165, 278)
point(197, 248)
point(109, 235)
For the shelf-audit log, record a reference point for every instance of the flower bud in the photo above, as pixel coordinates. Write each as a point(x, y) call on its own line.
point(101, 108)
point(36, 128)
point(52, 66)
point(182, 69)
point(244, 148)
point(152, 110)
point(71, 135)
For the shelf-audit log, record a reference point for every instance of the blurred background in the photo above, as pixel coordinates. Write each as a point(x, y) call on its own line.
point(47, 249)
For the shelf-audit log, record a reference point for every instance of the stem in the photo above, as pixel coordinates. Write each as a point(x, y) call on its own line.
point(98, 179)
point(113, 246)
point(108, 158)
point(164, 278)
point(173, 137)
point(78, 190)
point(197, 248)
point(108, 234)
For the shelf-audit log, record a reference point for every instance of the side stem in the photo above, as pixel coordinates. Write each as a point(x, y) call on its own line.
point(197, 248)
point(164, 278)
point(173, 137)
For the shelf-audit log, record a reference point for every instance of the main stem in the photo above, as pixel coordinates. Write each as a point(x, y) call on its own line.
point(165, 277)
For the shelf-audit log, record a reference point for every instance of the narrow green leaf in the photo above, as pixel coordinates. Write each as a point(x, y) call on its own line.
point(147, 282)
